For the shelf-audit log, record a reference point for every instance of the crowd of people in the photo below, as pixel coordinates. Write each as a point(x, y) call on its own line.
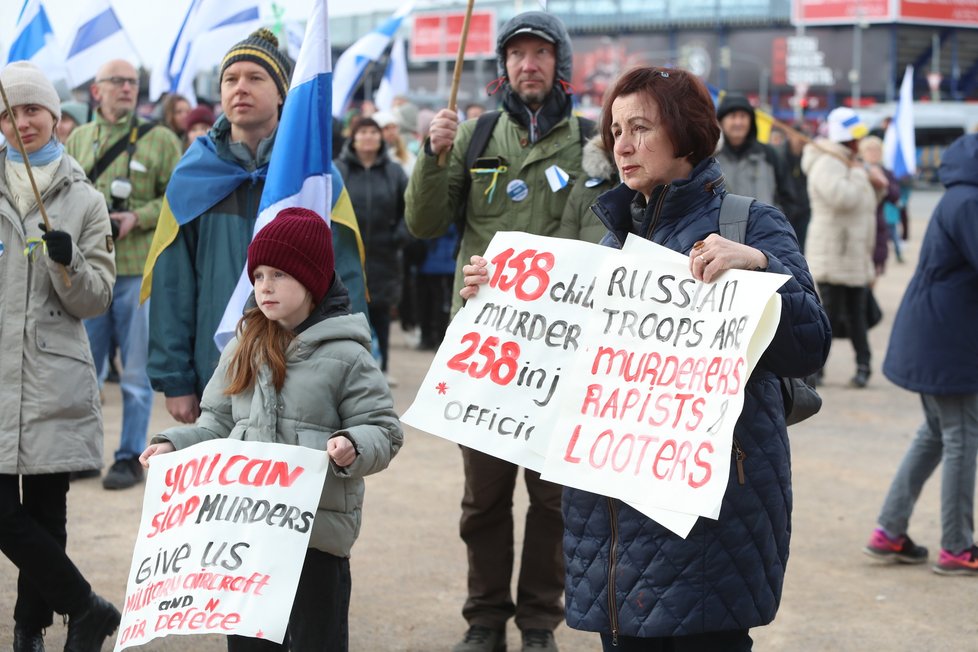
point(135, 259)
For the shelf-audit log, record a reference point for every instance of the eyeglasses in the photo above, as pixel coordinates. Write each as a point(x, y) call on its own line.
point(119, 81)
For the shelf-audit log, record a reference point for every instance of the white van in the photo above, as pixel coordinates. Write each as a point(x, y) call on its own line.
point(937, 125)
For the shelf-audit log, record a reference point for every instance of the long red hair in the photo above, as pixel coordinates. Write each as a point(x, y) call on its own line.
point(261, 341)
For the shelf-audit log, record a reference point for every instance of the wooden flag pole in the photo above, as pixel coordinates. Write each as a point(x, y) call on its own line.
point(457, 75)
point(30, 173)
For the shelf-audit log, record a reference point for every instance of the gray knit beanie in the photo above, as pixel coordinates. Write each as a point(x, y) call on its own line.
point(26, 84)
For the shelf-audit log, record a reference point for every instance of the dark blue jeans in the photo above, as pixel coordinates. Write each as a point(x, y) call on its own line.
point(733, 641)
point(320, 611)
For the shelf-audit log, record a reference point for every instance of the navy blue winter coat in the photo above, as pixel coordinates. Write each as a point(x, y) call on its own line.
point(934, 344)
point(626, 574)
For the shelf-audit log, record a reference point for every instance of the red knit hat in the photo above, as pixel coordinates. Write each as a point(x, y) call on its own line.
point(298, 242)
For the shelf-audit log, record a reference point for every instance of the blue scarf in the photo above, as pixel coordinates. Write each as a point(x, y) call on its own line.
point(47, 154)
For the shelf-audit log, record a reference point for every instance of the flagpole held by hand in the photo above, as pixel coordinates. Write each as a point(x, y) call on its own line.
point(457, 75)
point(30, 174)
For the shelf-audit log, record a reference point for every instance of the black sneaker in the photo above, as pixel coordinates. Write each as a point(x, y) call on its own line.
point(539, 640)
point(28, 640)
point(123, 474)
point(482, 639)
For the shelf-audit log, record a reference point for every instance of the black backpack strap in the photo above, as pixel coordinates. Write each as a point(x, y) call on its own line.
point(484, 126)
point(734, 211)
point(122, 145)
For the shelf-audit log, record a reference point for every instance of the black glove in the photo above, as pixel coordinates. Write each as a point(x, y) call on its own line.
point(58, 244)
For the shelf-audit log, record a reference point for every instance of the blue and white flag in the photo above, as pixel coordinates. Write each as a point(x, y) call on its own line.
point(300, 171)
point(34, 41)
point(900, 142)
point(208, 30)
point(98, 37)
point(353, 62)
point(395, 81)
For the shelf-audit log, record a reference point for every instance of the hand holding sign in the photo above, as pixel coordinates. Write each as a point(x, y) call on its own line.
point(614, 371)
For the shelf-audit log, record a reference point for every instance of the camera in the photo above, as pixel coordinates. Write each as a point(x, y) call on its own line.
point(119, 190)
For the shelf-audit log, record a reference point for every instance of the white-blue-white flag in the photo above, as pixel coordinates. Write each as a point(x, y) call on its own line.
point(300, 167)
point(395, 81)
point(98, 37)
point(900, 142)
point(352, 63)
point(208, 30)
point(34, 41)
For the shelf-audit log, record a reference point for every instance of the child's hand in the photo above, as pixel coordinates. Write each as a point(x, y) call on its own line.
point(153, 449)
point(341, 451)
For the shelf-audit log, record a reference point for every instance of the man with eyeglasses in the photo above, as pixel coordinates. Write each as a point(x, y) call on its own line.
point(130, 161)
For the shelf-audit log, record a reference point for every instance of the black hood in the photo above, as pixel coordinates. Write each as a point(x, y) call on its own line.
point(733, 102)
point(558, 104)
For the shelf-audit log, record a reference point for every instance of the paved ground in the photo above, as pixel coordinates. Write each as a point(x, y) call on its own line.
point(409, 565)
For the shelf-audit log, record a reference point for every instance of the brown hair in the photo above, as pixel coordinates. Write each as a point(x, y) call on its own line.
point(261, 341)
point(686, 111)
point(169, 112)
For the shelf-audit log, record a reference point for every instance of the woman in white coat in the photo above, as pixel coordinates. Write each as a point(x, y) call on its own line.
point(50, 421)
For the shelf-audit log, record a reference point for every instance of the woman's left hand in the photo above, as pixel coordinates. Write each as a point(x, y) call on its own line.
point(341, 450)
point(710, 257)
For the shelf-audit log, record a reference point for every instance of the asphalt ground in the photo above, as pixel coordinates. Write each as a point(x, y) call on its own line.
point(409, 564)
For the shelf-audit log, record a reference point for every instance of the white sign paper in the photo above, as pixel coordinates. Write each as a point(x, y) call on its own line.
point(222, 540)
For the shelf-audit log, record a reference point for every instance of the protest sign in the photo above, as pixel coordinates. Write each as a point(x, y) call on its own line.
point(648, 410)
point(504, 355)
point(608, 370)
point(222, 540)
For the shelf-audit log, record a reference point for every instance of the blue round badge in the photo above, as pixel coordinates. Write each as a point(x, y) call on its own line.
point(1, 248)
point(517, 190)
point(592, 182)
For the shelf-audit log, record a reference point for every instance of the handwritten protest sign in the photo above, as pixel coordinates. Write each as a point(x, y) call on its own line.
point(221, 543)
point(571, 347)
point(648, 411)
point(505, 353)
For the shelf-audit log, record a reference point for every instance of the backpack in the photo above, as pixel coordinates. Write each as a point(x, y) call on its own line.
point(800, 398)
point(484, 126)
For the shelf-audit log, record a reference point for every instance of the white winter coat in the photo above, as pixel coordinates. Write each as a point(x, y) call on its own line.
point(842, 233)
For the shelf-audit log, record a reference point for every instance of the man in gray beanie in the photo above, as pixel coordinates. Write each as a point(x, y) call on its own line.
point(534, 131)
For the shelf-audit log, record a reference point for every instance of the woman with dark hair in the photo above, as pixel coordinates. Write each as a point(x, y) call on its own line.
point(377, 185)
point(640, 586)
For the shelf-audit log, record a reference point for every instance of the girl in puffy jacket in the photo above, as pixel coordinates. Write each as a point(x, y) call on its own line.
point(302, 349)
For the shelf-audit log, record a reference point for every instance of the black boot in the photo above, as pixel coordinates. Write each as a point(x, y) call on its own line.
point(28, 640)
point(861, 379)
point(91, 625)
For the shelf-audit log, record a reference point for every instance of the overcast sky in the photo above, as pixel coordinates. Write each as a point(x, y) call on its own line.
point(153, 24)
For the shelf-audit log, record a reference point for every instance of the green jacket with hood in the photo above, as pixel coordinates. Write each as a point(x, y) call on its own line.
point(434, 192)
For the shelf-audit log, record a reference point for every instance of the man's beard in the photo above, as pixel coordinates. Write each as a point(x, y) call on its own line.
point(534, 98)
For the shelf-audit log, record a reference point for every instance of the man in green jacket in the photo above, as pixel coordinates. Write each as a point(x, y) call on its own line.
point(130, 161)
point(535, 131)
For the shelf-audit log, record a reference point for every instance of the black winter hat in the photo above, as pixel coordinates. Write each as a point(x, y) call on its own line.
point(733, 102)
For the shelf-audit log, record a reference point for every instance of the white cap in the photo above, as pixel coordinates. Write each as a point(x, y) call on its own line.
point(383, 118)
point(845, 125)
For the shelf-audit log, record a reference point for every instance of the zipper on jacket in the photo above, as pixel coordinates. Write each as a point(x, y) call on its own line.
point(658, 211)
point(739, 457)
point(612, 564)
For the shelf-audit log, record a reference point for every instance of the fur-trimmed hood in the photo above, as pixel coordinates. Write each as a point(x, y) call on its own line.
point(596, 162)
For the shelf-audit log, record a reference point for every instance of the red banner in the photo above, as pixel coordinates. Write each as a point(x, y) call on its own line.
point(840, 12)
point(436, 36)
point(955, 13)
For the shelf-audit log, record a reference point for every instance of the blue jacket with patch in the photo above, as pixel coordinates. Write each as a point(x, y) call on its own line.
point(934, 346)
point(626, 574)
